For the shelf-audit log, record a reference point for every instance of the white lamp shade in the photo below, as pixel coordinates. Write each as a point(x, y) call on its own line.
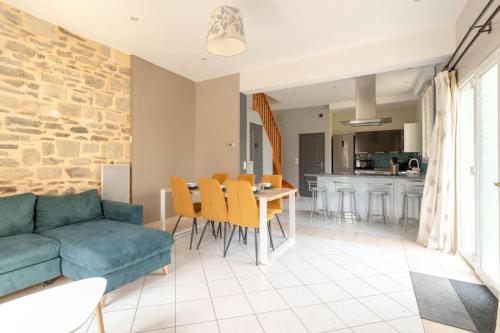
point(412, 138)
point(226, 36)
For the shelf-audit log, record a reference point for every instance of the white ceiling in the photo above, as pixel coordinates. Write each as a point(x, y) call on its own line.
point(172, 33)
point(391, 87)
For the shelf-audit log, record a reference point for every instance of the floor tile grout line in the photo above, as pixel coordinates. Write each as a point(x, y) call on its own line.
point(137, 307)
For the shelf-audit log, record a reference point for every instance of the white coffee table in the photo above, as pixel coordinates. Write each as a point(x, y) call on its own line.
point(60, 309)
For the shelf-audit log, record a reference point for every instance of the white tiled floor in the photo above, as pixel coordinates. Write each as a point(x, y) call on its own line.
point(336, 278)
point(320, 285)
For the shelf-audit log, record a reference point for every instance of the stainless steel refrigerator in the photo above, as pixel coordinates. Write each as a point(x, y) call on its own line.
point(343, 154)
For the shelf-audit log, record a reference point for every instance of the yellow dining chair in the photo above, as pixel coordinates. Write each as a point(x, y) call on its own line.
point(213, 205)
point(242, 211)
point(247, 177)
point(276, 206)
point(220, 177)
point(183, 204)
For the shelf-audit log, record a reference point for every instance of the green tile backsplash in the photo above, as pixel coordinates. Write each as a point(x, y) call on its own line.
point(382, 160)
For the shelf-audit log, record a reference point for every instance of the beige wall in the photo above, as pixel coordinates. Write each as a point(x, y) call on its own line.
point(399, 115)
point(218, 126)
point(485, 44)
point(300, 121)
point(163, 131)
point(64, 107)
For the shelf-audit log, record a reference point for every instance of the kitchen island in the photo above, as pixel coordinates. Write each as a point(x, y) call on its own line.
point(361, 183)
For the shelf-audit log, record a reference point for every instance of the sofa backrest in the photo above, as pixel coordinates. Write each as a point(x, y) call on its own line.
point(57, 211)
point(16, 214)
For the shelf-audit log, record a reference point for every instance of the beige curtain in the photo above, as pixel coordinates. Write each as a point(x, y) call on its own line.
point(427, 120)
point(438, 223)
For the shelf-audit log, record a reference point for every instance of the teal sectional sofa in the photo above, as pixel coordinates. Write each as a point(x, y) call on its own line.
point(78, 236)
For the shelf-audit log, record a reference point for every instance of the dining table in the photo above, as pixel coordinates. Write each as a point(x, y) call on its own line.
point(263, 196)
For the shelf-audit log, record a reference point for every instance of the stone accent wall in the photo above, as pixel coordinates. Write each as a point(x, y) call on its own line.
point(64, 107)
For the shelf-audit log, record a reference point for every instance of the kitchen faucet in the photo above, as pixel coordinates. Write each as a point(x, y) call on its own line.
point(411, 160)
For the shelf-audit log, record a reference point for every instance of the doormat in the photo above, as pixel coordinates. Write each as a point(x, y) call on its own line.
point(464, 305)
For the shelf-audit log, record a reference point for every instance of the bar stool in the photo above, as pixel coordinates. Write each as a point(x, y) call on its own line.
point(411, 192)
point(343, 189)
point(380, 191)
point(316, 189)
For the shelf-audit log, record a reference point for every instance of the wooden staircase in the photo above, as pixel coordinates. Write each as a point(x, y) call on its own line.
point(260, 104)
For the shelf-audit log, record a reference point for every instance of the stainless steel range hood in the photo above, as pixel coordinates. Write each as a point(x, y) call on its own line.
point(366, 105)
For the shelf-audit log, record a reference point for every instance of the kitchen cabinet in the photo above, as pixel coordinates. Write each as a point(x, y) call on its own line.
point(378, 141)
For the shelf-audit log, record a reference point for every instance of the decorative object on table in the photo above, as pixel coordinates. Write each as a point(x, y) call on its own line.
point(64, 308)
point(226, 35)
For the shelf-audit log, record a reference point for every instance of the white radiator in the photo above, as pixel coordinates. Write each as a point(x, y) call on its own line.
point(115, 182)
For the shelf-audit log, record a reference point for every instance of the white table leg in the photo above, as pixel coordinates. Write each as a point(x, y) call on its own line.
point(263, 231)
point(162, 209)
point(291, 216)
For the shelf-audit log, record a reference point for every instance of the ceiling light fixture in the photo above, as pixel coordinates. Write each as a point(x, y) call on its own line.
point(134, 18)
point(226, 36)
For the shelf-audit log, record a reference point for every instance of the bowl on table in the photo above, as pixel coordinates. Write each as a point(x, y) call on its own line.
point(267, 185)
point(191, 185)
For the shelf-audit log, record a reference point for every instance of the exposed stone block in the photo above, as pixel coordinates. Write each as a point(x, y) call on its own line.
point(49, 173)
point(78, 172)
point(18, 47)
point(115, 150)
point(30, 156)
point(67, 148)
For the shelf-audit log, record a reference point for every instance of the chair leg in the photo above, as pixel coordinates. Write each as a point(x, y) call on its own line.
point(281, 226)
point(270, 234)
point(219, 230)
point(246, 235)
point(100, 321)
point(192, 233)
point(195, 225)
point(256, 248)
point(213, 229)
point(202, 234)
point(229, 240)
point(224, 245)
point(176, 225)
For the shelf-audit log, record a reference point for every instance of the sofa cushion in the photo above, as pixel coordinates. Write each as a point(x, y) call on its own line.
point(20, 251)
point(55, 211)
point(16, 214)
point(105, 246)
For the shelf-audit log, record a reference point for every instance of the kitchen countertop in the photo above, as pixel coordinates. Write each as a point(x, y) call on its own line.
point(419, 177)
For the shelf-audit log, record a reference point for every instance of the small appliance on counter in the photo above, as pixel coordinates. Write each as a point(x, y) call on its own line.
point(364, 164)
point(394, 166)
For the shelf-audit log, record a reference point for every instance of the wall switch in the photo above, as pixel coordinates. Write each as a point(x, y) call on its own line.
point(296, 160)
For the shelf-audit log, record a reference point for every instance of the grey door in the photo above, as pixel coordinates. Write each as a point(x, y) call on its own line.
point(256, 150)
point(311, 159)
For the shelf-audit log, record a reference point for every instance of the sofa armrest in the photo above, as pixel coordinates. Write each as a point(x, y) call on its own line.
point(123, 212)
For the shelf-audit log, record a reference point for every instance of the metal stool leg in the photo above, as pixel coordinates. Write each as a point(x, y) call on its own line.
point(384, 210)
point(370, 208)
point(355, 206)
point(405, 201)
point(325, 203)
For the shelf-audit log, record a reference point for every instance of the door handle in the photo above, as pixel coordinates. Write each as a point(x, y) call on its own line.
point(497, 184)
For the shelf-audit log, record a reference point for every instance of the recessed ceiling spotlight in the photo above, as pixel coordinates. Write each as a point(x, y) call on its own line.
point(204, 59)
point(134, 18)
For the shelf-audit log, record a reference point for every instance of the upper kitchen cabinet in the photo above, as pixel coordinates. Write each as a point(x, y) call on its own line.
point(378, 142)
